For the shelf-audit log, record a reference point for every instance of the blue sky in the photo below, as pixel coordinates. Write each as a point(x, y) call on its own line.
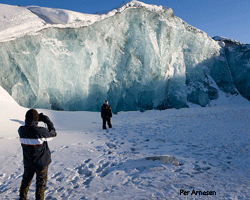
point(227, 18)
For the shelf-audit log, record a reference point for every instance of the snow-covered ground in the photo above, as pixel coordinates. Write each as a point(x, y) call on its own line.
point(211, 146)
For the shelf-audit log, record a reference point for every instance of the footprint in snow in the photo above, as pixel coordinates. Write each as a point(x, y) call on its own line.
point(87, 161)
point(56, 176)
point(102, 166)
point(198, 169)
point(60, 189)
point(83, 170)
point(63, 147)
point(88, 181)
point(110, 145)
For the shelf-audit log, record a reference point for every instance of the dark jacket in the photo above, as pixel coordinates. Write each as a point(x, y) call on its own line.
point(106, 111)
point(36, 153)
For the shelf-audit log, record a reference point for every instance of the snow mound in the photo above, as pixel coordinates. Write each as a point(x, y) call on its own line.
point(50, 15)
point(134, 3)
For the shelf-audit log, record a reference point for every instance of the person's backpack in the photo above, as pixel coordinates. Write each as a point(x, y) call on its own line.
point(106, 111)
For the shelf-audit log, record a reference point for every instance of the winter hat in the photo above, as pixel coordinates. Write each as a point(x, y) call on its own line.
point(106, 102)
point(32, 115)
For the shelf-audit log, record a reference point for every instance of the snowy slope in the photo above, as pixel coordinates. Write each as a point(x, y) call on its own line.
point(10, 111)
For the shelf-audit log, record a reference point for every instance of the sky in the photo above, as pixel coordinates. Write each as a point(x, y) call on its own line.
point(227, 18)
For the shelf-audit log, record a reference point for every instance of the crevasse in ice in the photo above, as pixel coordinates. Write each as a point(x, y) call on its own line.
point(137, 59)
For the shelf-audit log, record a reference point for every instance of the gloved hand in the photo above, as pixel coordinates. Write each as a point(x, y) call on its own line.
point(45, 119)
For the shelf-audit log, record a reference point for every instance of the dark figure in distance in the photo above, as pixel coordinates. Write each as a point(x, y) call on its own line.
point(106, 114)
point(36, 153)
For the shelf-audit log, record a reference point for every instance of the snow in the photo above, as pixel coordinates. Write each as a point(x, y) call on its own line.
point(221, 38)
point(18, 21)
point(139, 157)
point(150, 155)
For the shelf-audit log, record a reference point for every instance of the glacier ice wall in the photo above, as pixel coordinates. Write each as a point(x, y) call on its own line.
point(238, 58)
point(137, 59)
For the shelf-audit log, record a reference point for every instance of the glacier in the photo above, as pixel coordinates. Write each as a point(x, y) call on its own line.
point(137, 59)
point(238, 58)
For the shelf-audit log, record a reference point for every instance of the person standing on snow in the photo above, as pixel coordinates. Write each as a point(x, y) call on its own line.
point(36, 153)
point(106, 114)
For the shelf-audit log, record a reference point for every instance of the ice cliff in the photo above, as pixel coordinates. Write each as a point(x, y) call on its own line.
point(238, 59)
point(138, 57)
